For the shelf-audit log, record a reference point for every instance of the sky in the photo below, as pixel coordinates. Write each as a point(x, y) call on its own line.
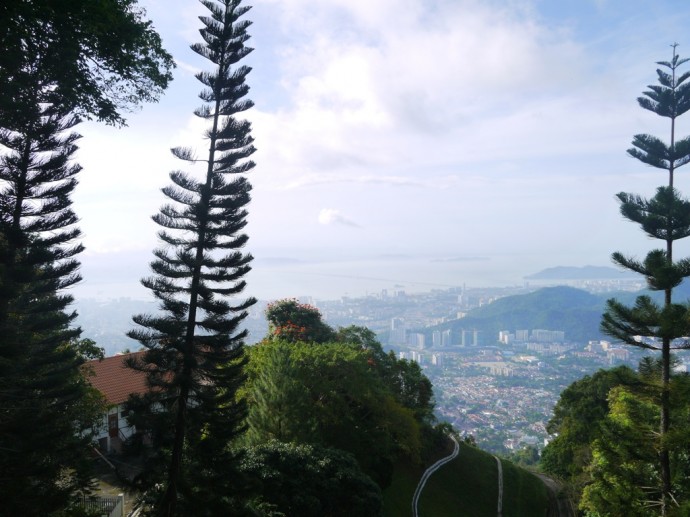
point(403, 144)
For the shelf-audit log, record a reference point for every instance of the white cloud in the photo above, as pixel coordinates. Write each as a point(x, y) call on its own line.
point(328, 216)
point(317, 179)
point(467, 126)
point(188, 67)
point(403, 87)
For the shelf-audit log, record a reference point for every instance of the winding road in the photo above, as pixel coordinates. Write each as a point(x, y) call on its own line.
point(559, 505)
point(430, 471)
point(500, 487)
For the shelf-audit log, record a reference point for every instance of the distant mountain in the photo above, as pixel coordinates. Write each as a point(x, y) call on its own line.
point(574, 311)
point(582, 273)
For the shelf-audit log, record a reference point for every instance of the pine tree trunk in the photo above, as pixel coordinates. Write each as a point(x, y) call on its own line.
point(664, 458)
point(168, 505)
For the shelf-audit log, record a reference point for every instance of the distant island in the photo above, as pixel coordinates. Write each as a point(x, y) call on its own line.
point(581, 273)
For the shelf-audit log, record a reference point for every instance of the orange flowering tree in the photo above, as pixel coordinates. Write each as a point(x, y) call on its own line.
point(290, 320)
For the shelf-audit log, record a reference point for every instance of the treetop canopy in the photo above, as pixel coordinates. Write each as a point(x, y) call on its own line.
point(96, 59)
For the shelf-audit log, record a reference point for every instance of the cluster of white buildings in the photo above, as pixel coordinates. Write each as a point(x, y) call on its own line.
point(534, 336)
point(399, 335)
point(419, 358)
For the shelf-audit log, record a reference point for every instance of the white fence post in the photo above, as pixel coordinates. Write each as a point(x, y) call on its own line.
point(119, 510)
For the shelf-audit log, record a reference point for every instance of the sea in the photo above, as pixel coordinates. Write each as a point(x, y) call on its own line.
point(332, 278)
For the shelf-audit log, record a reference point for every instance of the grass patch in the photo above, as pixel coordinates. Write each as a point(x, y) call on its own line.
point(397, 498)
point(524, 494)
point(467, 486)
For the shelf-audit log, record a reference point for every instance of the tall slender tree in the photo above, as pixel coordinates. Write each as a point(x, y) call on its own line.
point(40, 385)
point(194, 349)
point(56, 57)
point(665, 217)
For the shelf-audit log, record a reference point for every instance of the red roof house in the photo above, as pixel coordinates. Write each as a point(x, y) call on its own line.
point(116, 382)
point(113, 379)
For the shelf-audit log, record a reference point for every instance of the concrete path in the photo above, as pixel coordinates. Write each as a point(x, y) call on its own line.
point(430, 471)
point(559, 503)
point(500, 487)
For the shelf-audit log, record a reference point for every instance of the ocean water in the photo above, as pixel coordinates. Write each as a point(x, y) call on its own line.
point(354, 278)
point(333, 278)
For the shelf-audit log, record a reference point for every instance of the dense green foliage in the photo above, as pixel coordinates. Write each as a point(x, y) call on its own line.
point(308, 480)
point(576, 422)
point(606, 445)
point(339, 391)
point(59, 60)
point(334, 398)
point(624, 470)
point(90, 58)
point(665, 217)
point(194, 349)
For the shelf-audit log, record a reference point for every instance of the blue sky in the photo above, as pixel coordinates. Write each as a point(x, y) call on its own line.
point(452, 130)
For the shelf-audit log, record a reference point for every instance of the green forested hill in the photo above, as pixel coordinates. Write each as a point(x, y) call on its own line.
point(574, 311)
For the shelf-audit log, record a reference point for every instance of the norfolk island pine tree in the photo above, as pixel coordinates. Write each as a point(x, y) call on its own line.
point(44, 398)
point(194, 350)
point(665, 217)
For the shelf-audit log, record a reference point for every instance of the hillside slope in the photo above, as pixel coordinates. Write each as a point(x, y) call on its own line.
point(468, 486)
point(574, 311)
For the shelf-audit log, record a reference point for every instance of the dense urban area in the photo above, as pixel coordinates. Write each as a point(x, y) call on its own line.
point(500, 389)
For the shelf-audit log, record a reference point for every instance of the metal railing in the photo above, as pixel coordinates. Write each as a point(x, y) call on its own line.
point(107, 506)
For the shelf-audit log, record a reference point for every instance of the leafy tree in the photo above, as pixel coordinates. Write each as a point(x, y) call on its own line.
point(193, 358)
point(345, 393)
point(309, 480)
point(624, 471)
point(279, 400)
point(93, 59)
point(576, 422)
point(87, 349)
point(291, 320)
point(406, 380)
point(606, 444)
point(665, 217)
point(527, 456)
point(336, 399)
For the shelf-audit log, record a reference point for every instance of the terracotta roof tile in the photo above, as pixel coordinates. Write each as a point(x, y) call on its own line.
point(114, 380)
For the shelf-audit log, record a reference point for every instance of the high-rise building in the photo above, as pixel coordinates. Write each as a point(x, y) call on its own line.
point(547, 336)
point(416, 340)
point(446, 337)
point(398, 334)
point(470, 338)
